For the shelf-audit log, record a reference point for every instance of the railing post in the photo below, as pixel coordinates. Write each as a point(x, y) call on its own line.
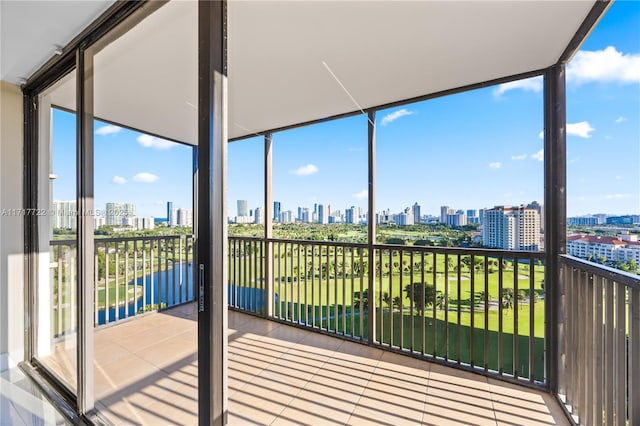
point(555, 201)
point(371, 224)
point(268, 227)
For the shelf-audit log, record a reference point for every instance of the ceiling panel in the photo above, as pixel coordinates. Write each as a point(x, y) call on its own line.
point(293, 62)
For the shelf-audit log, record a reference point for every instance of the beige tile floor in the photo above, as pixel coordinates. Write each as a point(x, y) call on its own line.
point(146, 373)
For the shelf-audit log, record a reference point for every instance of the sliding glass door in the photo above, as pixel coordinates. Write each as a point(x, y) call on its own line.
point(56, 323)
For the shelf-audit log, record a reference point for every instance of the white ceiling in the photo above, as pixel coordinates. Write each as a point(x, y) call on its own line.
point(281, 56)
point(30, 31)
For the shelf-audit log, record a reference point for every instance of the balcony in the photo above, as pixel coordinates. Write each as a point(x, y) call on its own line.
point(146, 373)
point(452, 358)
point(414, 334)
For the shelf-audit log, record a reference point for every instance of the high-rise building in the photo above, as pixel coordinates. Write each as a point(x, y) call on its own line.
point(242, 208)
point(305, 215)
point(173, 218)
point(458, 218)
point(118, 213)
point(417, 218)
point(258, 216)
point(184, 218)
point(351, 215)
point(444, 212)
point(169, 208)
point(143, 222)
point(511, 228)
point(276, 211)
point(472, 216)
point(64, 214)
point(323, 214)
point(286, 217)
point(540, 209)
point(99, 222)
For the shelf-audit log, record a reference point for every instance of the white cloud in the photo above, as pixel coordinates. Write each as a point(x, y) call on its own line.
point(362, 194)
point(145, 177)
point(519, 157)
point(152, 142)
point(608, 65)
point(582, 129)
point(538, 155)
point(495, 165)
point(618, 196)
point(395, 115)
point(533, 84)
point(307, 170)
point(119, 180)
point(108, 130)
point(621, 119)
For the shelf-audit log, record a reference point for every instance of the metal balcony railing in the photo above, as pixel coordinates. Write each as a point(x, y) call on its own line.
point(476, 309)
point(133, 275)
point(599, 343)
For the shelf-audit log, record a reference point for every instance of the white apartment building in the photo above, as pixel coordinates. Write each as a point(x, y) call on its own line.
point(511, 228)
point(117, 213)
point(323, 214)
point(185, 218)
point(623, 247)
point(64, 214)
point(173, 218)
point(258, 216)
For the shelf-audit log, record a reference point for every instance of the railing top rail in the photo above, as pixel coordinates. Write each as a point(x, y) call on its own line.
point(122, 239)
point(622, 277)
point(509, 254)
point(240, 237)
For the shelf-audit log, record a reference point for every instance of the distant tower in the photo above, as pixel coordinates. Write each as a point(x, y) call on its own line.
point(323, 214)
point(444, 211)
point(242, 208)
point(416, 213)
point(169, 208)
point(276, 211)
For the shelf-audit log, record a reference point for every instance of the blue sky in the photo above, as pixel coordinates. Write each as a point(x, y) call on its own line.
point(467, 151)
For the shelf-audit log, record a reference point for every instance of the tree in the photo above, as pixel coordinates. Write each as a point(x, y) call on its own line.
point(361, 299)
point(507, 298)
point(522, 296)
point(629, 266)
point(397, 301)
point(420, 295)
point(442, 300)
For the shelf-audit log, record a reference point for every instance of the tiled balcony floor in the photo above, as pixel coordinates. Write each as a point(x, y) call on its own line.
point(146, 373)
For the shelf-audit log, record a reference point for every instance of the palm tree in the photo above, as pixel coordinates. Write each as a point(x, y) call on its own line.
point(507, 298)
point(397, 301)
point(522, 296)
point(442, 300)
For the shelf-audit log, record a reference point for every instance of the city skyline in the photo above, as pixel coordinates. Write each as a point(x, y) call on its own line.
point(481, 148)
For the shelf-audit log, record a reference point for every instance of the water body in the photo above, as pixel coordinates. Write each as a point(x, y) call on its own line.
point(169, 288)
